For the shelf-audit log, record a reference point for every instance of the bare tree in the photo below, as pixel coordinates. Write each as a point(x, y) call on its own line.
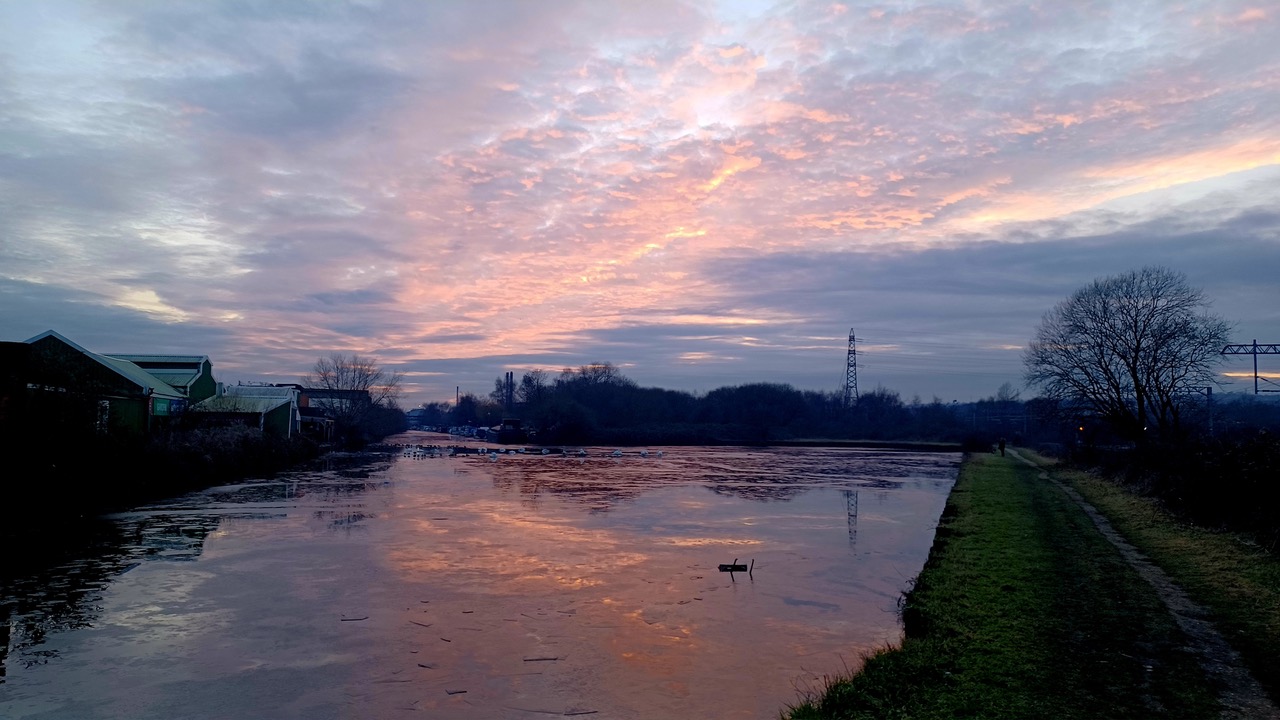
point(534, 387)
point(352, 388)
point(1007, 393)
point(596, 374)
point(1129, 348)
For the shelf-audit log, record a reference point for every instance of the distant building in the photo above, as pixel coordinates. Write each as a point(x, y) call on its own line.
point(191, 375)
point(417, 417)
point(275, 410)
point(510, 431)
point(316, 424)
point(75, 388)
point(339, 403)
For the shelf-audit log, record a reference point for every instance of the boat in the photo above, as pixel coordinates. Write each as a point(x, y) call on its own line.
point(509, 432)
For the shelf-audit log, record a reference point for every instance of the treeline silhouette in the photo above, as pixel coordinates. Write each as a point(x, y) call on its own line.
point(598, 404)
point(59, 472)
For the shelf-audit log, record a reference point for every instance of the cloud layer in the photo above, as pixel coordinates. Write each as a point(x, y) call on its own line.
point(703, 194)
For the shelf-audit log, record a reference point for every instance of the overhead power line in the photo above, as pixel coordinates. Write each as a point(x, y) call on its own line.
point(1255, 350)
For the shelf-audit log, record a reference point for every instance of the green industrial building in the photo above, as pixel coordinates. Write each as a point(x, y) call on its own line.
point(68, 386)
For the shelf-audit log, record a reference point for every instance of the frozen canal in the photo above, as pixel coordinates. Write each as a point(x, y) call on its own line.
point(529, 587)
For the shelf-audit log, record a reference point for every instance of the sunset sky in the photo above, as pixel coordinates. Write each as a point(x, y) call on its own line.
point(703, 193)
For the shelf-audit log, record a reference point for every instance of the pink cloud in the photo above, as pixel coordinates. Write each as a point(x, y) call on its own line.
point(516, 170)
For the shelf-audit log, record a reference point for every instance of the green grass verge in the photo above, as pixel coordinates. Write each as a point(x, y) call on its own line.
point(1236, 580)
point(921, 445)
point(1023, 610)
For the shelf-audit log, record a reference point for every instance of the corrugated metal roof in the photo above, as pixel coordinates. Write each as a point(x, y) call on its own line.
point(176, 378)
point(228, 403)
point(134, 374)
point(261, 391)
point(140, 359)
point(161, 366)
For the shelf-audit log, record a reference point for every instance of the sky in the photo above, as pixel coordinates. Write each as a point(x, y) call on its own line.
point(701, 193)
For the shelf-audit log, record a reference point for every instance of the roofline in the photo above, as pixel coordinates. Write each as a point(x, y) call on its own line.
point(60, 336)
point(102, 360)
point(204, 405)
point(170, 358)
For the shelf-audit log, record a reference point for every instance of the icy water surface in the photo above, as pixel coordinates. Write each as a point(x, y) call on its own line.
point(529, 587)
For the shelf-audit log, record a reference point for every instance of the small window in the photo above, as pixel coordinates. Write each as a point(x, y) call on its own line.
point(103, 423)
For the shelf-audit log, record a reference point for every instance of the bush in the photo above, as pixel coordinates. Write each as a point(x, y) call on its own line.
point(64, 478)
point(1229, 484)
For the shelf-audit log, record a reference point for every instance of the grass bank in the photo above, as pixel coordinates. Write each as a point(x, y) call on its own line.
point(1235, 579)
point(914, 445)
point(1023, 610)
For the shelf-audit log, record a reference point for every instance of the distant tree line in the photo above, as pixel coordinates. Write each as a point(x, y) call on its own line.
point(598, 404)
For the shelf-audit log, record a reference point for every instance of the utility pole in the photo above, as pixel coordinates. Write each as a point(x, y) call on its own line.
point(851, 374)
point(1208, 394)
point(1255, 350)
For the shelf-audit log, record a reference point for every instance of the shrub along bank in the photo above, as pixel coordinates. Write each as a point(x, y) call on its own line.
point(1230, 574)
point(57, 481)
point(1023, 610)
point(1219, 483)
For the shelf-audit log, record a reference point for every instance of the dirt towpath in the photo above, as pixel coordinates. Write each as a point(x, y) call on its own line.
point(1241, 695)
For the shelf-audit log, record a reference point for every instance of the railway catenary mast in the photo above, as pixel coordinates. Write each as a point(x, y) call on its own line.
point(1255, 350)
point(851, 374)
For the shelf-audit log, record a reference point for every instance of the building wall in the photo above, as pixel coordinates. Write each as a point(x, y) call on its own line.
point(71, 385)
point(279, 421)
point(204, 386)
point(128, 415)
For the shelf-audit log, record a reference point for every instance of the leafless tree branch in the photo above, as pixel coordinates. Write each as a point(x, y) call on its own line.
point(1129, 348)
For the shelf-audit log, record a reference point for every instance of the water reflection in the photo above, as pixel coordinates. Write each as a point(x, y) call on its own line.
point(601, 482)
point(60, 588)
point(57, 585)
point(374, 590)
point(851, 514)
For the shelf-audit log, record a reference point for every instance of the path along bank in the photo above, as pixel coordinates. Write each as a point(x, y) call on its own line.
point(1024, 609)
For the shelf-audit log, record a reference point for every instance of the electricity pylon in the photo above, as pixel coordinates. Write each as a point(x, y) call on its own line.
point(851, 374)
